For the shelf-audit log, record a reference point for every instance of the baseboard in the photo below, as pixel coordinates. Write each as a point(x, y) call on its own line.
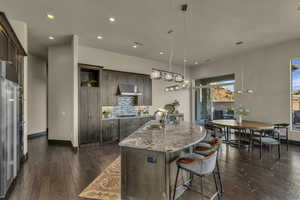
point(24, 158)
point(36, 135)
point(60, 142)
point(63, 143)
point(294, 142)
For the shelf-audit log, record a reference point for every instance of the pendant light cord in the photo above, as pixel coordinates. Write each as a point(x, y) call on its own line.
point(184, 48)
point(170, 32)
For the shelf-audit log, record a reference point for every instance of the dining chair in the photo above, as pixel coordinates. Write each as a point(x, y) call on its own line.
point(200, 166)
point(265, 138)
point(283, 135)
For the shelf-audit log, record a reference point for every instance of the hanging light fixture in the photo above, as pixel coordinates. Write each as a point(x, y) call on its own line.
point(168, 75)
point(155, 74)
point(243, 90)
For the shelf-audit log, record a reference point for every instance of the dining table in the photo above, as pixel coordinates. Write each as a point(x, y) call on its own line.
point(253, 126)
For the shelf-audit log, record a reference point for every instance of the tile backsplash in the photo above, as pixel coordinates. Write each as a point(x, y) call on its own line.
point(126, 106)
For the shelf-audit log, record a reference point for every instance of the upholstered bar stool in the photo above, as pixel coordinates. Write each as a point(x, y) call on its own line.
point(200, 166)
point(204, 148)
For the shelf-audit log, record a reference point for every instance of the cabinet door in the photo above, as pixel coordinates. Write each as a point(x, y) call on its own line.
point(128, 126)
point(94, 114)
point(109, 88)
point(12, 70)
point(84, 115)
point(4, 44)
point(147, 91)
point(110, 130)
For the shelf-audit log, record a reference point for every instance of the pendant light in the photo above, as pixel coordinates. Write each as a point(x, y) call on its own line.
point(168, 75)
point(243, 90)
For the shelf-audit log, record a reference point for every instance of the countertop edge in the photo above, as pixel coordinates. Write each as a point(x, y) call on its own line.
point(135, 117)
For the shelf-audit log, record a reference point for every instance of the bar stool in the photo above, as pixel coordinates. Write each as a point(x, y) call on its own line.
point(204, 148)
point(200, 166)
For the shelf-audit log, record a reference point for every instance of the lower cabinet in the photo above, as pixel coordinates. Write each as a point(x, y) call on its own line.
point(110, 130)
point(128, 126)
point(118, 129)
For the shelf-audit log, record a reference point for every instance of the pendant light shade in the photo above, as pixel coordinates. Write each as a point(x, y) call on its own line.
point(168, 76)
point(155, 74)
point(179, 78)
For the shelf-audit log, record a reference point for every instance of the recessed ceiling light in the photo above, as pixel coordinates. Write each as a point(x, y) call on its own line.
point(50, 16)
point(239, 43)
point(196, 63)
point(51, 38)
point(99, 37)
point(161, 53)
point(135, 46)
point(111, 19)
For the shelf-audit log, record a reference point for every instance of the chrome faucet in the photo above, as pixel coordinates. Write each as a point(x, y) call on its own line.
point(161, 115)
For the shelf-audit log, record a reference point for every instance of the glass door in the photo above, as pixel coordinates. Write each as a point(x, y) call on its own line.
point(214, 99)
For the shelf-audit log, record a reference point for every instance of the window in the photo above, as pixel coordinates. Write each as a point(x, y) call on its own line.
point(295, 94)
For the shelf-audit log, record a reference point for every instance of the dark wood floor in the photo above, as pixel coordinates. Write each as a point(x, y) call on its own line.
point(56, 173)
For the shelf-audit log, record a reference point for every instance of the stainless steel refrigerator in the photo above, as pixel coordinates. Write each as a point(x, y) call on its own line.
point(9, 130)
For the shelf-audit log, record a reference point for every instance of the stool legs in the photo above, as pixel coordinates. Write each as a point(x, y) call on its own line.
point(175, 186)
point(219, 177)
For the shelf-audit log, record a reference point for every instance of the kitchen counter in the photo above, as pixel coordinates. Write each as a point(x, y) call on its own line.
point(129, 117)
point(148, 159)
point(174, 137)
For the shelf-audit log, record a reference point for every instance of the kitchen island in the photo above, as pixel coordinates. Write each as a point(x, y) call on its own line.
point(148, 159)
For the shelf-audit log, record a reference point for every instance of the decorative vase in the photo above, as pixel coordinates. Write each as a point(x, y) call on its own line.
point(239, 119)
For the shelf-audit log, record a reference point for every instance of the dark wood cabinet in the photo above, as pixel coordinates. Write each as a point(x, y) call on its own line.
point(109, 88)
point(109, 131)
point(89, 115)
point(128, 126)
point(4, 44)
point(112, 79)
point(147, 91)
point(11, 50)
point(89, 104)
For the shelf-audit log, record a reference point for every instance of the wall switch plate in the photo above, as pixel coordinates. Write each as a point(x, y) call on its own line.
point(151, 159)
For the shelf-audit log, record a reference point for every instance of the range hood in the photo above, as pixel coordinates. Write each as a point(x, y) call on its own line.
point(128, 90)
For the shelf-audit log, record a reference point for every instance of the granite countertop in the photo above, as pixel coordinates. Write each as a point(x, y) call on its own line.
point(129, 117)
point(175, 137)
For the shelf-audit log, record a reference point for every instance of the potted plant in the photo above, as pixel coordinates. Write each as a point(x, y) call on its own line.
point(241, 112)
point(89, 83)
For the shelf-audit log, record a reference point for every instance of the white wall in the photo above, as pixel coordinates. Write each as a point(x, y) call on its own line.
point(120, 62)
point(37, 95)
point(21, 31)
point(60, 93)
point(267, 72)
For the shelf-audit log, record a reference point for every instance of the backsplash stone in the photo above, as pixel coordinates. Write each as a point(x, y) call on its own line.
point(126, 106)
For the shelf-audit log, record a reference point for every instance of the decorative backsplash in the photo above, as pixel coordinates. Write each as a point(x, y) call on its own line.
point(126, 106)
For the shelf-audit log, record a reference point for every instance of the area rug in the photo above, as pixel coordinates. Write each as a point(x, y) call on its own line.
point(107, 186)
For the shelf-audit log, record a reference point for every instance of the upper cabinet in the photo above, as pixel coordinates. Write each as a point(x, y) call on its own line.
point(109, 88)
point(11, 50)
point(112, 79)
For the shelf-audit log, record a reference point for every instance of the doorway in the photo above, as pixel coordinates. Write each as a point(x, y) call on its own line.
point(214, 98)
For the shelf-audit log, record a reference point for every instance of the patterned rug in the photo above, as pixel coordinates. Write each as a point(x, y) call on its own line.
point(107, 185)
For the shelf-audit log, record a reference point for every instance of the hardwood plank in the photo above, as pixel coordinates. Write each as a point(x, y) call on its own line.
point(55, 172)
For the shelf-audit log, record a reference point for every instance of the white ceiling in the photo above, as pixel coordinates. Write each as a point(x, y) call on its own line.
point(214, 26)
